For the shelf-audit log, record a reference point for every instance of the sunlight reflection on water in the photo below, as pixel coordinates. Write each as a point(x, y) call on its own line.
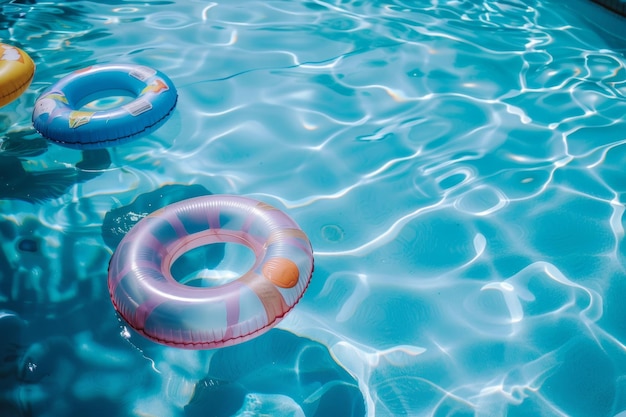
point(457, 165)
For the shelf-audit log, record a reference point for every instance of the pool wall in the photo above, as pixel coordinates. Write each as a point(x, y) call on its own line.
point(618, 6)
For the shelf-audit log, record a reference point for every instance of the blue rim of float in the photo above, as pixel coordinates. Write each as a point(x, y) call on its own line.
point(59, 117)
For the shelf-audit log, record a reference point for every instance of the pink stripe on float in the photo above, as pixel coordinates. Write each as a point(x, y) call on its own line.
point(213, 218)
point(247, 223)
point(178, 226)
point(137, 265)
point(272, 300)
point(233, 309)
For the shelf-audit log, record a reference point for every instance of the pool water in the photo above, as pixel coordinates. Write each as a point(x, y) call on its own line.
point(458, 166)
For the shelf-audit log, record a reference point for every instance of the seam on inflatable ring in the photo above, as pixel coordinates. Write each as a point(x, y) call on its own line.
point(25, 84)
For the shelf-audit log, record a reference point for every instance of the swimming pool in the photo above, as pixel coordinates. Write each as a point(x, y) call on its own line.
point(457, 166)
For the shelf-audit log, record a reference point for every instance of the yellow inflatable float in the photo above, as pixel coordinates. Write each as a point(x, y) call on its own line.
point(16, 73)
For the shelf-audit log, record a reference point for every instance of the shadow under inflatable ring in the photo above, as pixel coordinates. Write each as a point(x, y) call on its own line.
point(151, 301)
point(59, 115)
point(17, 70)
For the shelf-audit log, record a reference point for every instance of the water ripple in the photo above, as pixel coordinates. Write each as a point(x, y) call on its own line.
point(457, 165)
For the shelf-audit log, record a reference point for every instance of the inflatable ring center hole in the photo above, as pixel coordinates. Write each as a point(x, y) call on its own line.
point(105, 100)
point(213, 265)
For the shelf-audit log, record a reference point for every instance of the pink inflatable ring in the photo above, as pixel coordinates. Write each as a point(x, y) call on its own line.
point(147, 296)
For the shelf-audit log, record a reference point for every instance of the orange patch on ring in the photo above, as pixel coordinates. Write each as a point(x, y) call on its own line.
point(281, 272)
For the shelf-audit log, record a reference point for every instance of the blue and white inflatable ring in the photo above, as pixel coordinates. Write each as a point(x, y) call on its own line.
point(60, 117)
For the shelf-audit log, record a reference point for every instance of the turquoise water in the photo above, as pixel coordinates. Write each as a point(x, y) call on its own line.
point(457, 165)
